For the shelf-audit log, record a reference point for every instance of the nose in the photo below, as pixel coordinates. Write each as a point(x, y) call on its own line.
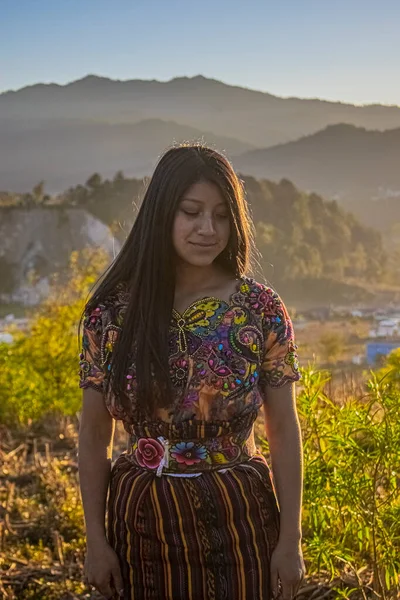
point(207, 227)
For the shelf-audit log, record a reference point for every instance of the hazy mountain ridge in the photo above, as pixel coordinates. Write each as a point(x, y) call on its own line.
point(254, 117)
point(71, 150)
point(350, 163)
point(63, 133)
point(358, 158)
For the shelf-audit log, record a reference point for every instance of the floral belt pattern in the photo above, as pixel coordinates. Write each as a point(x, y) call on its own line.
point(189, 457)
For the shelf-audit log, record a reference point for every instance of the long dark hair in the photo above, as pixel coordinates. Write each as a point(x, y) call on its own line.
point(146, 265)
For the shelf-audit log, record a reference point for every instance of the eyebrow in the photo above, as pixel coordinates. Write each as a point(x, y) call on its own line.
point(199, 201)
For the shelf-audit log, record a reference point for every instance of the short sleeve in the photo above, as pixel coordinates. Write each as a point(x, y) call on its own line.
point(91, 370)
point(280, 360)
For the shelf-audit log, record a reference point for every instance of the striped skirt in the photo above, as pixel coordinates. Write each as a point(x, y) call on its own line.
point(194, 538)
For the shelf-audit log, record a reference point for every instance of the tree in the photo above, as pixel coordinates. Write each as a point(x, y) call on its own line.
point(119, 178)
point(38, 192)
point(358, 261)
point(94, 181)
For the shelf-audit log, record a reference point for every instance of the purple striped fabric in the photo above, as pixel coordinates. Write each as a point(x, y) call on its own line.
point(208, 537)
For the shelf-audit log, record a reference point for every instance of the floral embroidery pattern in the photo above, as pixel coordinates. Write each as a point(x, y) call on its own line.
point(188, 453)
point(178, 371)
point(221, 354)
point(149, 453)
point(185, 456)
point(291, 357)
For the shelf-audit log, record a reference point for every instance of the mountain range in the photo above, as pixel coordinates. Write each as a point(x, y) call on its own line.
point(359, 168)
point(64, 133)
point(66, 151)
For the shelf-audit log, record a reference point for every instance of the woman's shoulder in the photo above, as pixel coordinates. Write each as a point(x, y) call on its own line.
point(259, 295)
point(265, 303)
point(254, 284)
point(268, 307)
point(109, 308)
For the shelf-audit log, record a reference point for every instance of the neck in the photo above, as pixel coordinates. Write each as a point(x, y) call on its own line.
point(190, 278)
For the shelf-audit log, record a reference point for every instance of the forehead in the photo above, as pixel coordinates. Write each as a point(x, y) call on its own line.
point(204, 192)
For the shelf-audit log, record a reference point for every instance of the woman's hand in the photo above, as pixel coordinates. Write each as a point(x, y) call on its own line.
point(287, 565)
point(102, 570)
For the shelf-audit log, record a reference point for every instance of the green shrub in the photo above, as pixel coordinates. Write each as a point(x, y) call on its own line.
point(40, 368)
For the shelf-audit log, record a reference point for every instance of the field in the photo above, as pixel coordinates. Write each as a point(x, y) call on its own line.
point(351, 518)
point(351, 438)
point(350, 336)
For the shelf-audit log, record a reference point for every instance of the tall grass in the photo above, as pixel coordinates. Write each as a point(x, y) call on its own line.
point(351, 516)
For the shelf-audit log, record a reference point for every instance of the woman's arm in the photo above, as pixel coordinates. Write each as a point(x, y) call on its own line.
point(96, 433)
point(94, 460)
point(284, 437)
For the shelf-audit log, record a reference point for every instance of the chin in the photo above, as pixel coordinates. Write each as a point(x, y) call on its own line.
point(199, 261)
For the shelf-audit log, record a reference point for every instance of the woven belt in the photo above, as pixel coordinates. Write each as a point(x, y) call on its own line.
point(191, 457)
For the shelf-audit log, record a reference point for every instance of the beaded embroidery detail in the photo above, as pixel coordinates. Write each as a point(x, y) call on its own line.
point(221, 354)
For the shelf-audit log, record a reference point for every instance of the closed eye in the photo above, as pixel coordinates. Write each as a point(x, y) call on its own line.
point(196, 213)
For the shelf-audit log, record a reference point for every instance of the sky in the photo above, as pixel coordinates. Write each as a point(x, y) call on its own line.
point(342, 50)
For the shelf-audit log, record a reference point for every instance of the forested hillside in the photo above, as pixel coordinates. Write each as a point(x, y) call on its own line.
point(312, 249)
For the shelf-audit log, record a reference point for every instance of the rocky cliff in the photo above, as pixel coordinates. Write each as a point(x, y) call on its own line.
point(37, 242)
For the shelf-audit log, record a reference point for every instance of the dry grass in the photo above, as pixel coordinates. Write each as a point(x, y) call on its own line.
point(41, 525)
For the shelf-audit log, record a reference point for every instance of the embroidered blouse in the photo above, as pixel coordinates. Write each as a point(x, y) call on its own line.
point(221, 354)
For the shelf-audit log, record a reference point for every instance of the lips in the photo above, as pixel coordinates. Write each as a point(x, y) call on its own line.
point(203, 245)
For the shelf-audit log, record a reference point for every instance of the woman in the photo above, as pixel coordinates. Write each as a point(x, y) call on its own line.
point(185, 349)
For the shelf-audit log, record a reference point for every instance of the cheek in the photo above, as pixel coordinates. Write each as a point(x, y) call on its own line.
point(224, 231)
point(180, 230)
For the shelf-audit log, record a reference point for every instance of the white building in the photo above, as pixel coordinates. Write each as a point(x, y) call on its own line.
point(386, 328)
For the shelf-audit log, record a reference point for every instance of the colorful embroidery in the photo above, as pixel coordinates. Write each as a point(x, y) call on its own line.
point(188, 453)
point(149, 453)
point(192, 456)
point(178, 371)
point(222, 354)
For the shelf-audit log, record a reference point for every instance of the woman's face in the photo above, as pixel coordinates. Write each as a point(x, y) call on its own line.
point(201, 227)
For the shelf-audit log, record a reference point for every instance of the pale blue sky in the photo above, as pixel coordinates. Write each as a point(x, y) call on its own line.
point(346, 50)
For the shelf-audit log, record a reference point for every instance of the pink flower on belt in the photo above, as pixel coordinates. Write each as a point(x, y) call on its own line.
point(149, 453)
